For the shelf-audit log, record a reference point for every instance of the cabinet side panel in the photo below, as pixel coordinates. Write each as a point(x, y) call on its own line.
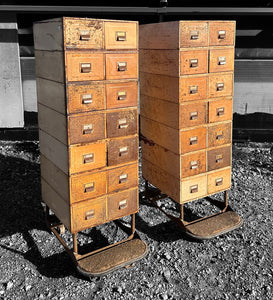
point(50, 65)
point(56, 203)
point(159, 36)
point(48, 35)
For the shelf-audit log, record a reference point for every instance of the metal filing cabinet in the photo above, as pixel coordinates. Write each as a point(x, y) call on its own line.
point(87, 85)
point(186, 89)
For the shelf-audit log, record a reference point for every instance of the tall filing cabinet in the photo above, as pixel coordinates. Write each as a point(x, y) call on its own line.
point(87, 85)
point(186, 89)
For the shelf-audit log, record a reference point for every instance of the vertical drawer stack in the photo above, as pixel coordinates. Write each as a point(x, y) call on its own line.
point(87, 85)
point(186, 89)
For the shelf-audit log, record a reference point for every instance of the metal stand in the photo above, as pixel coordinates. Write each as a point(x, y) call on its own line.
point(206, 227)
point(104, 260)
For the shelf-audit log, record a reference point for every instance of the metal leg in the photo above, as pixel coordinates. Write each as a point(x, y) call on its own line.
point(133, 223)
point(182, 212)
point(75, 243)
point(226, 198)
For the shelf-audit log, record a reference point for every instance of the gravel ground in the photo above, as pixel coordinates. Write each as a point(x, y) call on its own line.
point(237, 265)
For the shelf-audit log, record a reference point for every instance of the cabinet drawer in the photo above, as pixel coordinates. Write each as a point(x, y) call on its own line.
point(221, 60)
point(120, 35)
point(193, 88)
point(193, 188)
point(84, 187)
point(83, 34)
point(122, 151)
point(220, 85)
point(84, 66)
point(221, 33)
point(220, 110)
point(121, 95)
point(219, 158)
point(83, 98)
point(193, 164)
point(193, 62)
point(122, 204)
point(86, 128)
point(88, 213)
point(87, 157)
point(121, 66)
point(122, 178)
point(193, 34)
point(193, 114)
point(219, 181)
point(192, 140)
point(219, 135)
point(121, 123)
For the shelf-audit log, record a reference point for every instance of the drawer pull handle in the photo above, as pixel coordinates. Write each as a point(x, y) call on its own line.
point(122, 95)
point(193, 140)
point(88, 158)
point(194, 188)
point(194, 115)
point(194, 164)
point(89, 187)
point(90, 214)
point(221, 60)
point(122, 66)
point(120, 36)
point(219, 135)
point(194, 35)
point(123, 178)
point(84, 35)
point(221, 34)
point(123, 151)
point(88, 129)
point(87, 99)
point(219, 181)
point(219, 158)
point(122, 204)
point(220, 86)
point(220, 111)
point(86, 68)
point(193, 89)
point(122, 124)
point(193, 63)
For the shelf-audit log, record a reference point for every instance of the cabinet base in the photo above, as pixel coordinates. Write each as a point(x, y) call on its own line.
point(104, 260)
point(203, 228)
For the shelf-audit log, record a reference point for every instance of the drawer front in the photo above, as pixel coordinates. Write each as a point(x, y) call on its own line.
point(86, 128)
point(121, 95)
point(193, 62)
point(219, 135)
point(83, 98)
point(220, 110)
point(193, 114)
point(122, 151)
point(193, 164)
point(221, 60)
point(122, 178)
point(193, 34)
point(219, 158)
point(89, 186)
point(219, 181)
point(122, 123)
point(122, 204)
point(120, 35)
point(87, 157)
point(121, 66)
point(194, 88)
point(83, 34)
point(88, 214)
point(84, 66)
point(193, 140)
point(193, 188)
point(220, 85)
point(221, 33)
